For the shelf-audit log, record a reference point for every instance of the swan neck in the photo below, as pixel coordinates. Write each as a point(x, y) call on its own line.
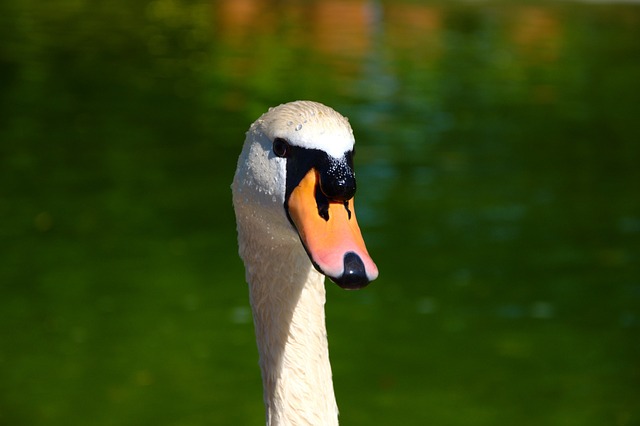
point(287, 298)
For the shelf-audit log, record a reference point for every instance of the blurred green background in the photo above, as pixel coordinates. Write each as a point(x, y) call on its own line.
point(499, 181)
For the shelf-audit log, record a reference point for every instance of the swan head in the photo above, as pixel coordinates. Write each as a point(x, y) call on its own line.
point(295, 181)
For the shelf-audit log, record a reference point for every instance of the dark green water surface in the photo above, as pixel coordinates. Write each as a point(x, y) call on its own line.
point(498, 165)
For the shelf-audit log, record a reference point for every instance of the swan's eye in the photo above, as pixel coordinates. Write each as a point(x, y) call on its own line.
point(280, 147)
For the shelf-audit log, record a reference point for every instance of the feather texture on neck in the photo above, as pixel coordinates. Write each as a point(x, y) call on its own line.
point(287, 298)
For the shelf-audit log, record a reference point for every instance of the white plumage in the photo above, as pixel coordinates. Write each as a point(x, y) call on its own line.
point(287, 293)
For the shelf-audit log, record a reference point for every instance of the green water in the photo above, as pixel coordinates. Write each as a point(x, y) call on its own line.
point(498, 181)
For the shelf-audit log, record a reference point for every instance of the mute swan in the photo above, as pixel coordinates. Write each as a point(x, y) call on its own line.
point(293, 199)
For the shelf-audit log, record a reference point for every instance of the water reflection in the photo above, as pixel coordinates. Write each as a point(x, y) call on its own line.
point(497, 150)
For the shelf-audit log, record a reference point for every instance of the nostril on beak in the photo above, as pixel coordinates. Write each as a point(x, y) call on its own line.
point(354, 275)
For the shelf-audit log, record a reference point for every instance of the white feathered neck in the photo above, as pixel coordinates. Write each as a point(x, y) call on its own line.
point(287, 294)
point(300, 193)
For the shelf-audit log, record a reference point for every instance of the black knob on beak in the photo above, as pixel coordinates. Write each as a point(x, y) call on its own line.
point(337, 180)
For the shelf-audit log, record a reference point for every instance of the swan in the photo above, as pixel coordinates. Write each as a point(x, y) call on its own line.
point(293, 199)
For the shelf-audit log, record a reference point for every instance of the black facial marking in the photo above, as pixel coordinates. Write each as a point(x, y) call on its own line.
point(346, 207)
point(323, 203)
point(337, 179)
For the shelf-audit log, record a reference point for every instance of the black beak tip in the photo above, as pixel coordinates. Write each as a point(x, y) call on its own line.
point(354, 276)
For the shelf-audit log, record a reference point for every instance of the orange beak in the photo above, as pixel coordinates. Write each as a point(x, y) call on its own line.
point(335, 245)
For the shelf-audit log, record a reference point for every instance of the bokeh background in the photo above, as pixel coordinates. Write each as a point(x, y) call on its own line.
point(499, 192)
